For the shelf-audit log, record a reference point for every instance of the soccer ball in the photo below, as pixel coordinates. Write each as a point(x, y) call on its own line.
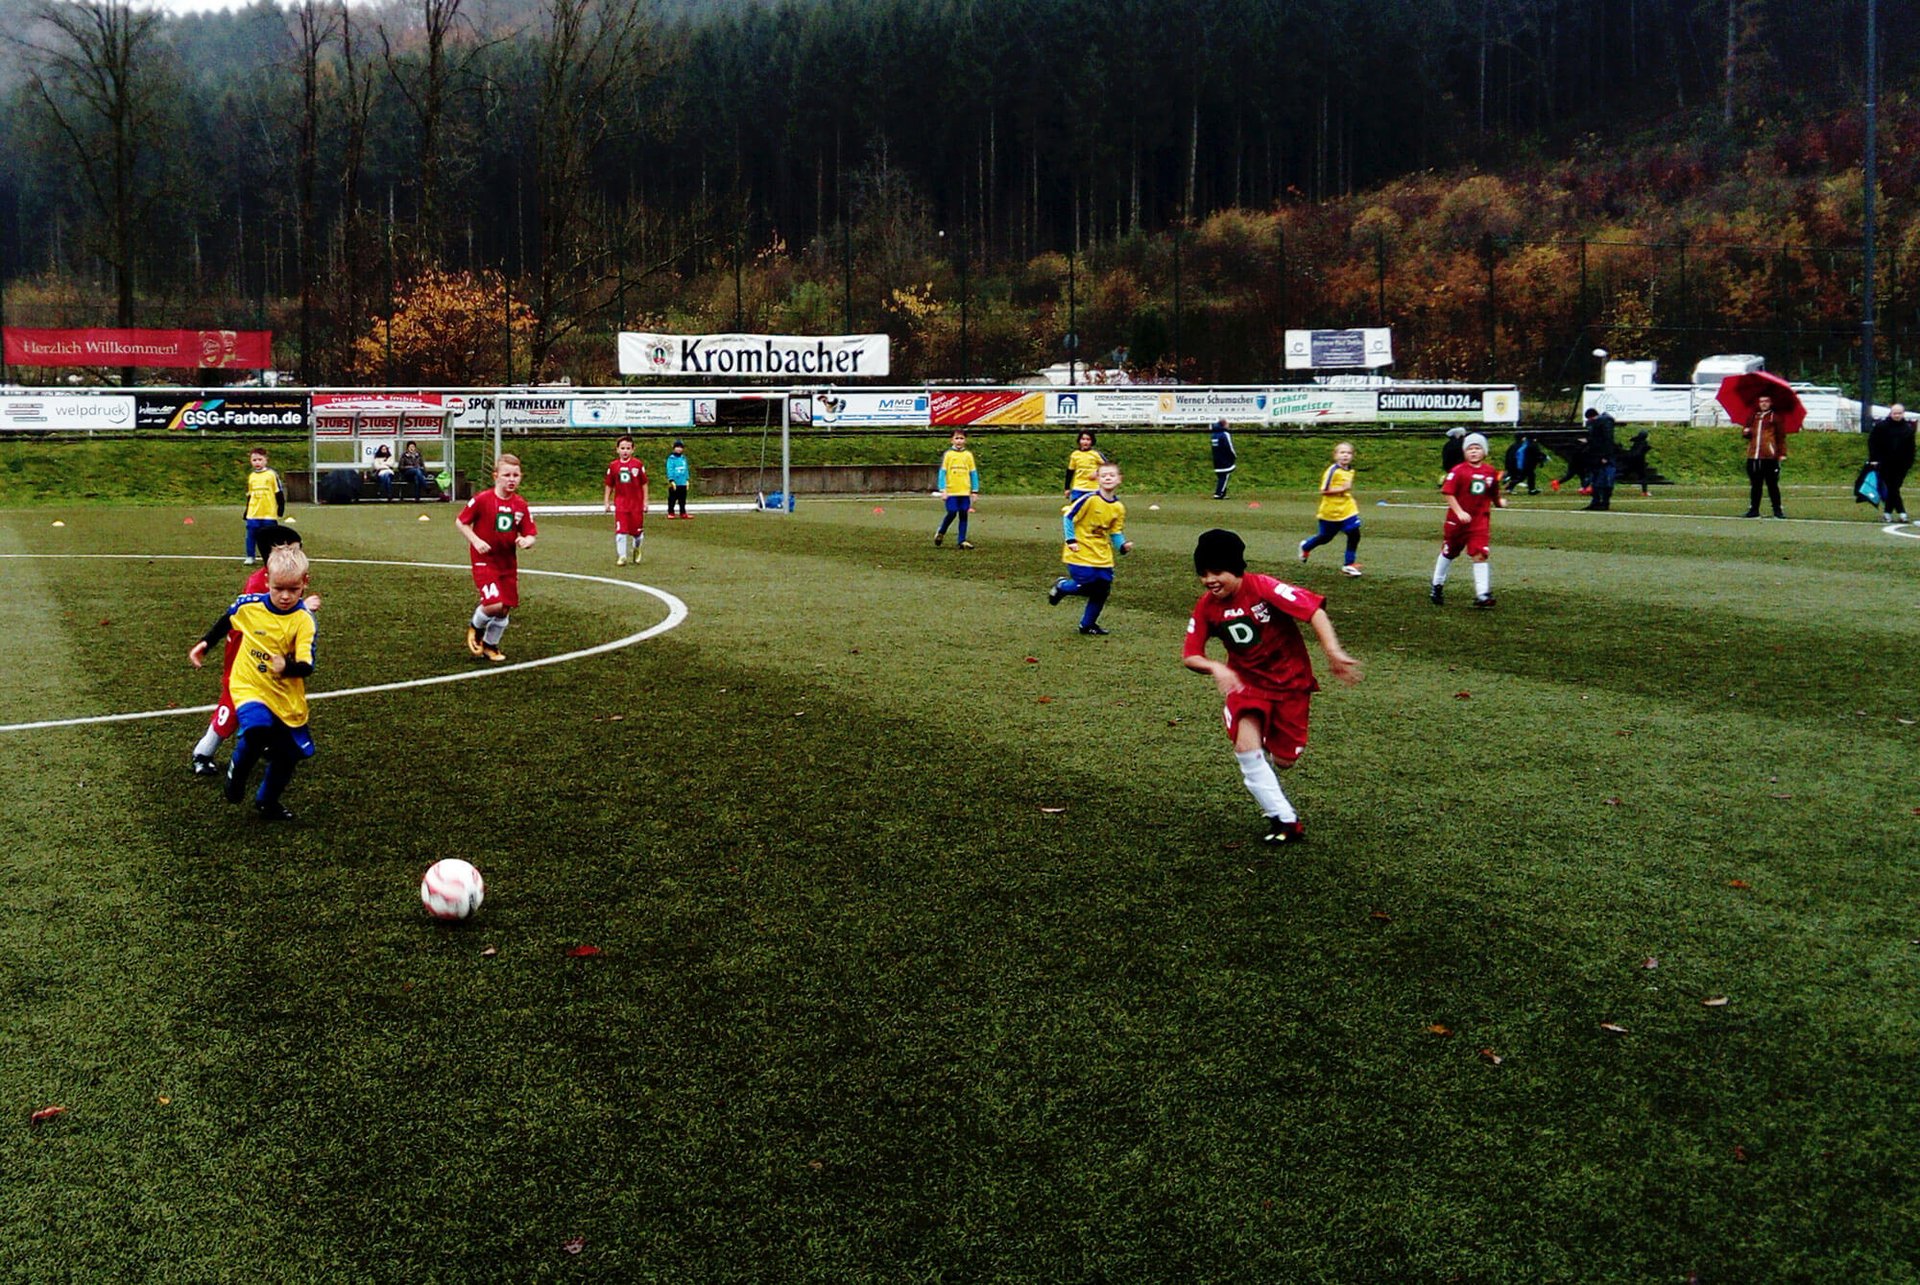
point(452, 889)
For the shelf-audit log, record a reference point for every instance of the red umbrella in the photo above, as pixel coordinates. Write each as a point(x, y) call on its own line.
point(1740, 394)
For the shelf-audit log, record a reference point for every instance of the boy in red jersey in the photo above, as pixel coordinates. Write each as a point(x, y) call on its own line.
point(496, 525)
point(1473, 492)
point(626, 499)
point(1267, 680)
point(221, 725)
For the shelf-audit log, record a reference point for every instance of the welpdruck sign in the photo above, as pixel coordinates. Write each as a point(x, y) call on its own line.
point(754, 356)
point(631, 412)
point(66, 411)
point(831, 408)
point(1103, 406)
point(1310, 405)
point(1339, 349)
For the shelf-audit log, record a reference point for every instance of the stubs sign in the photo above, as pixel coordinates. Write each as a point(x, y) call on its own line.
point(754, 356)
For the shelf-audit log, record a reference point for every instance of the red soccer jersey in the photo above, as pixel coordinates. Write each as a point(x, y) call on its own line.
point(1256, 625)
point(628, 478)
point(1475, 486)
point(498, 522)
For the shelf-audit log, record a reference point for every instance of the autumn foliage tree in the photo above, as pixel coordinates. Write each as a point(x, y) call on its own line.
point(447, 329)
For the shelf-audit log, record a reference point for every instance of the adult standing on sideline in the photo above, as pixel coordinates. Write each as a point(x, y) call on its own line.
point(1890, 456)
point(1600, 459)
point(679, 473)
point(1453, 450)
point(1766, 441)
point(1224, 459)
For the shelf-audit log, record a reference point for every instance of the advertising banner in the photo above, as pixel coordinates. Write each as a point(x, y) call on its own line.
point(1103, 406)
point(335, 414)
point(198, 349)
point(66, 411)
point(1312, 405)
point(631, 412)
point(1654, 404)
point(832, 409)
point(1339, 349)
point(754, 356)
point(237, 410)
point(1497, 404)
point(1235, 405)
point(989, 406)
point(518, 414)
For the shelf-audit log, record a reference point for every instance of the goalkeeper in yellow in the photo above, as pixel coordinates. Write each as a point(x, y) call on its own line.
point(1093, 525)
point(269, 680)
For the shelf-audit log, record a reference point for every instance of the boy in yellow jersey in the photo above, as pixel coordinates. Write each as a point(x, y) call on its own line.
point(269, 680)
point(1083, 464)
point(958, 484)
point(1338, 512)
point(266, 498)
point(1093, 525)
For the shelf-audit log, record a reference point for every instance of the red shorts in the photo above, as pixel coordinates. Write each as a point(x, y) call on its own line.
point(1283, 719)
point(222, 722)
point(628, 519)
point(1471, 538)
point(498, 583)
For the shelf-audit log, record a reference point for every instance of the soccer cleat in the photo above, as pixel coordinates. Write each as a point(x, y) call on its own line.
point(1054, 595)
point(1886, 517)
point(203, 765)
point(1437, 595)
point(940, 539)
point(619, 562)
point(1351, 569)
point(1751, 513)
point(270, 810)
point(1279, 831)
point(474, 644)
point(1778, 514)
point(1303, 551)
point(1903, 517)
point(964, 544)
point(636, 555)
point(1484, 600)
point(1093, 630)
point(492, 652)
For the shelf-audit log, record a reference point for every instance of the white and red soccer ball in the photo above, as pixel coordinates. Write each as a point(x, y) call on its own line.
point(452, 889)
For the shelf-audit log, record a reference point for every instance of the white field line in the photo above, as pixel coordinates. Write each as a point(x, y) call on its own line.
point(676, 613)
point(1622, 514)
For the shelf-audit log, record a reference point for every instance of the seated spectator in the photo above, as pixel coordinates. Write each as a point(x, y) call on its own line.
point(413, 471)
point(383, 470)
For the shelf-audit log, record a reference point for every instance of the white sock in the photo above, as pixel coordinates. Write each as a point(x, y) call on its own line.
point(620, 546)
point(208, 744)
point(1482, 579)
point(496, 627)
point(480, 618)
point(1441, 566)
point(1264, 785)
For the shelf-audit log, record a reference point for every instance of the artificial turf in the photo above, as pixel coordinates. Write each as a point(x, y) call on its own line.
point(935, 941)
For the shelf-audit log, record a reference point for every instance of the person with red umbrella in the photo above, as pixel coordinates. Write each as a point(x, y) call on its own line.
point(1767, 409)
point(1766, 438)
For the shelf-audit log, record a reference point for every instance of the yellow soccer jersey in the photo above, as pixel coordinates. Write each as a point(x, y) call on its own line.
point(266, 632)
point(262, 486)
point(957, 471)
point(1092, 521)
point(1337, 508)
point(1083, 465)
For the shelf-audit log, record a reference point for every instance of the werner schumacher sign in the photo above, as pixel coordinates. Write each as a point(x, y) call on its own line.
point(754, 356)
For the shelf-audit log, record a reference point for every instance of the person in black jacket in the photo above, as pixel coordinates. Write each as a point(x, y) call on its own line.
point(1452, 451)
point(1224, 459)
point(1600, 459)
point(1524, 458)
point(1890, 456)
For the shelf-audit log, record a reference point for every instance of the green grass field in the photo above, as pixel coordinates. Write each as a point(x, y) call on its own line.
point(935, 941)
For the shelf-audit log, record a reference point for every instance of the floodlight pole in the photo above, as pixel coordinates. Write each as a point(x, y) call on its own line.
point(1870, 170)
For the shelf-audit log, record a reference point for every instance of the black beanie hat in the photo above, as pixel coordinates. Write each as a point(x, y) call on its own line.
point(270, 538)
point(1219, 550)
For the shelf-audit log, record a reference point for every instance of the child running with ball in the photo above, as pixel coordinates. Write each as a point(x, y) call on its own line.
point(1267, 679)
